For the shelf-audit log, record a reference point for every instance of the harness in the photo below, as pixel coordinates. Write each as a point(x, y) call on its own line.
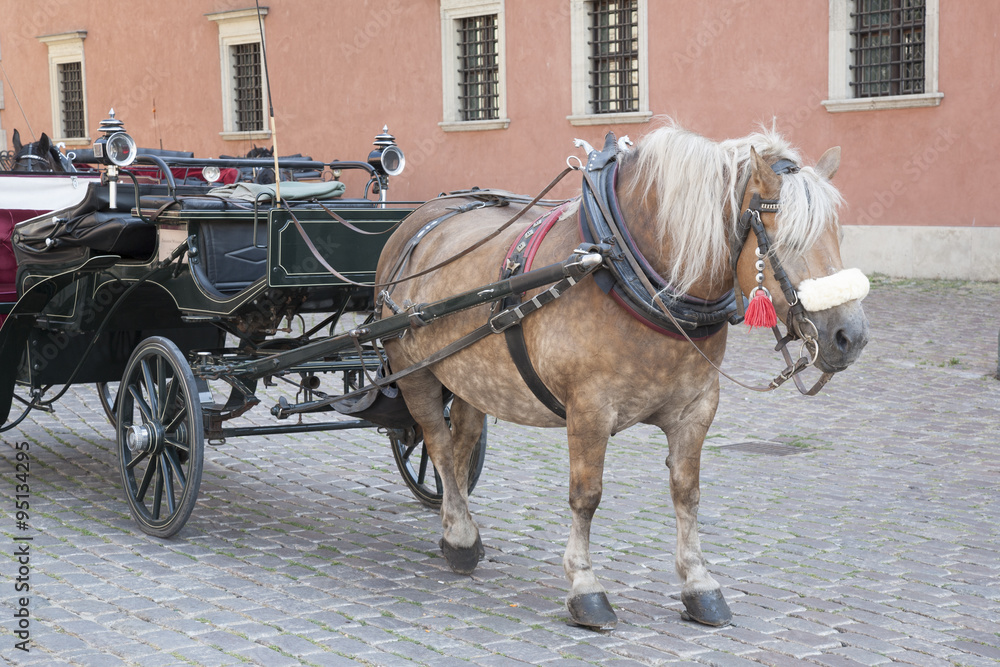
point(626, 281)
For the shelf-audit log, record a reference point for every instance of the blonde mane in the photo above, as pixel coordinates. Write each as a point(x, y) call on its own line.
point(697, 183)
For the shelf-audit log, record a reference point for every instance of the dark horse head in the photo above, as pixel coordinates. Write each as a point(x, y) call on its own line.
point(39, 156)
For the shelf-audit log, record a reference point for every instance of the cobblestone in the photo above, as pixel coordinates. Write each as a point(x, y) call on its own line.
point(874, 542)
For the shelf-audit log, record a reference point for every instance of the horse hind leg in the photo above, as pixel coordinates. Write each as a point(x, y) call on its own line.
point(587, 601)
point(460, 543)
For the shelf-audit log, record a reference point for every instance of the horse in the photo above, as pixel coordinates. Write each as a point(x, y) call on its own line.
point(683, 199)
point(39, 156)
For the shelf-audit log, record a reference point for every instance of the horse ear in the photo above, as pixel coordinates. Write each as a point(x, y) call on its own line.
point(829, 163)
point(766, 180)
point(44, 144)
point(17, 141)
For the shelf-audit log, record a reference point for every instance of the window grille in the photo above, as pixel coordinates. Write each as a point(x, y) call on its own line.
point(888, 47)
point(614, 60)
point(249, 97)
point(71, 99)
point(479, 69)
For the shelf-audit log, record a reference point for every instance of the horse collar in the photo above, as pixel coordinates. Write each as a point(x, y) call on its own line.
point(601, 221)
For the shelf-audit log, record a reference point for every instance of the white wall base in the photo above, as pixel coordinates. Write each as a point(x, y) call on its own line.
point(952, 253)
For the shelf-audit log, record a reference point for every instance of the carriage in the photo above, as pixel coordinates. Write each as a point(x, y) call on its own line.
point(158, 286)
point(181, 293)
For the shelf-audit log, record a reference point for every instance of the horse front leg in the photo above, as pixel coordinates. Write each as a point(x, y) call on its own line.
point(700, 593)
point(587, 600)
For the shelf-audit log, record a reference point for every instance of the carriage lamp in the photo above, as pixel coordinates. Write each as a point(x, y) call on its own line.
point(115, 149)
point(211, 173)
point(387, 159)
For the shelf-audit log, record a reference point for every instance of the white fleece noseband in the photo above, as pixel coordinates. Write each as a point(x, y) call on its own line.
point(831, 291)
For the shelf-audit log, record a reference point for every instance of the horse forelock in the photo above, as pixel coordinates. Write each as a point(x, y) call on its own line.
point(697, 184)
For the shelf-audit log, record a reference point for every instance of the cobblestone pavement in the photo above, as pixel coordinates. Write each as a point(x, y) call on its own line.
point(857, 527)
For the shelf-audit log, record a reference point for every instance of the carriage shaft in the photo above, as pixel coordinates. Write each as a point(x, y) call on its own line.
point(581, 263)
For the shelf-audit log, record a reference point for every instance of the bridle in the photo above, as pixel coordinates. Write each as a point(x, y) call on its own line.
point(800, 327)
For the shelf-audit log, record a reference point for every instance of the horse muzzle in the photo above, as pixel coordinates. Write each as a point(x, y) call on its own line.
point(842, 333)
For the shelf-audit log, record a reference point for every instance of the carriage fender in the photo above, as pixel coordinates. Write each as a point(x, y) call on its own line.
point(16, 328)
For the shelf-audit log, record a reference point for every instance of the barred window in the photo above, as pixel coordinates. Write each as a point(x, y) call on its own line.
point(478, 69)
point(248, 104)
point(888, 47)
point(71, 99)
point(614, 56)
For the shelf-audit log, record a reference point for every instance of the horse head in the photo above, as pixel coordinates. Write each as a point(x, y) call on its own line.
point(38, 156)
point(812, 293)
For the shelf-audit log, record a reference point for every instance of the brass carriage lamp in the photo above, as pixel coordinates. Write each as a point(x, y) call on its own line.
point(115, 149)
point(387, 159)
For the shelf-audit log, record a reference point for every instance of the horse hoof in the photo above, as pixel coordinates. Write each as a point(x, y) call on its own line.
point(707, 608)
point(463, 560)
point(592, 610)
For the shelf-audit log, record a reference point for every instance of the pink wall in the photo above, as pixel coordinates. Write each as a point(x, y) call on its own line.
point(342, 70)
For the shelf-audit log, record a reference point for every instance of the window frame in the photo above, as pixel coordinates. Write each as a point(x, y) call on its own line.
point(580, 30)
point(63, 48)
point(452, 11)
point(238, 27)
point(841, 95)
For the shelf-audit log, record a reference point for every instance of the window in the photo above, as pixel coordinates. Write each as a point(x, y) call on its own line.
point(883, 54)
point(474, 65)
point(888, 49)
point(609, 44)
point(249, 103)
point(71, 99)
point(67, 86)
point(614, 56)
point(478, 70)
point(243, 74)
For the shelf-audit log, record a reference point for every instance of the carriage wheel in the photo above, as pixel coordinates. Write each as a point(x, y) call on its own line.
point(417, 469)
point(108, 395)
point(160, 437)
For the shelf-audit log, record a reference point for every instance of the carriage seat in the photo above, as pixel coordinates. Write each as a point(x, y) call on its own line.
point(227, 261)
point(90, 225)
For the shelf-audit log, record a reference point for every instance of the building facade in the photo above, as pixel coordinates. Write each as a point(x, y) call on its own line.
point(492, 93)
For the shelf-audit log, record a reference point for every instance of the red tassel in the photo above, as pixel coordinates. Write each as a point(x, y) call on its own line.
point(760, 311)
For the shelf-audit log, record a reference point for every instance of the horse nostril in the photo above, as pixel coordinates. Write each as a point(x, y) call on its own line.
point(843, 341)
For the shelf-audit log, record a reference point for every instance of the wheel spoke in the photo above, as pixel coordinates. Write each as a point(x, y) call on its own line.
point(170, 399)
point(424, 458)
point(175, 465)
point(168, 483)
point(140, 402)
point(147, 477)
point(147, 375)
point(135, 461)
point(177, 444)
point(176, 420)
point(157, 488)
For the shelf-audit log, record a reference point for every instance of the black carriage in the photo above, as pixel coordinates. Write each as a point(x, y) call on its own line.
point(159, 288)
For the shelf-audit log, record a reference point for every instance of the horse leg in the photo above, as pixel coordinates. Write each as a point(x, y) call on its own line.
point(700, 593)
point(587, 600)
point(461, 544)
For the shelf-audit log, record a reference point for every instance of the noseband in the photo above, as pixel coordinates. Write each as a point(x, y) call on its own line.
point(29, 157)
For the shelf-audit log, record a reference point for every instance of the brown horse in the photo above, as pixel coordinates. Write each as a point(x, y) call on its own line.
point(680, 196)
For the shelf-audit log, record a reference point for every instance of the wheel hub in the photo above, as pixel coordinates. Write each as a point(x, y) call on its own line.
point(143, 438)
